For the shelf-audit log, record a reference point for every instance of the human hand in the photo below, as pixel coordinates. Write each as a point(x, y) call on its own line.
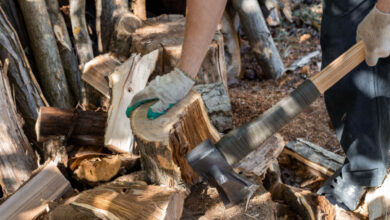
point(167, 89)
point(374, 30)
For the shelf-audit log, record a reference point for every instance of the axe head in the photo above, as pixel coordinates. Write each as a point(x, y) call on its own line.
point(209, 163)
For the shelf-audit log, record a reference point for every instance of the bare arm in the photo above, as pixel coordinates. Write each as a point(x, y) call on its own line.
point(383, 5)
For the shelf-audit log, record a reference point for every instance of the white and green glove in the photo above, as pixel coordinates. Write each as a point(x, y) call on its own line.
point(168, 89)
point(374, 30)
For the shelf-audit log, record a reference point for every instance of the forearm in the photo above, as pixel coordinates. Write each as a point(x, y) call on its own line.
point(383, 6)
point(202, 17)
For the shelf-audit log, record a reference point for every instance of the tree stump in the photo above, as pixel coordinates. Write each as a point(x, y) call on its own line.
point(164, 142)
point(166, 33)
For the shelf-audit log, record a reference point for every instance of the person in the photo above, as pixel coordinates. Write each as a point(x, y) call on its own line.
point(358, 105)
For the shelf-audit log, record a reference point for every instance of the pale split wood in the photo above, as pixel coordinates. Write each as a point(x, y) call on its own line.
point(125, 200)
point(139, 8)
point(28, 202)
point(98, 169)
point(336, 70)
point(96, 71)
point(232, 47)
point(130, 78)
point(377, 201)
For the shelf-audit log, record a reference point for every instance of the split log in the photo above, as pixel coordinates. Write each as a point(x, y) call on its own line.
point(96, 71)
point(259, 160)
point(50, 71)
point(166, 33)
point(17, 159)
point(31, 200)
point(377, 201)
point(314, 156)
point(68, 57)
point(138, 7)
point(80, 128)
point(232, 48)
point(98, 169)
point(22, 80)
point(217, 104)
point(129, 78)
point(164, 142)
point(123, 200)
point(259, 37)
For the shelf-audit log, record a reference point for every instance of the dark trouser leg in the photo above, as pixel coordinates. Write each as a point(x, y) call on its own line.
point(358, 105)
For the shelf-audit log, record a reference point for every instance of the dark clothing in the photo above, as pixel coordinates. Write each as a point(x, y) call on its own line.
point(359, 104)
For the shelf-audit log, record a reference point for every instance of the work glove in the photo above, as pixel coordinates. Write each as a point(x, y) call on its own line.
point(167, 89)
point(374, 30)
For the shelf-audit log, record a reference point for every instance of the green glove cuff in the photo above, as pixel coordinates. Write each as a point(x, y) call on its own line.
point(130, 109)
point(153, 115)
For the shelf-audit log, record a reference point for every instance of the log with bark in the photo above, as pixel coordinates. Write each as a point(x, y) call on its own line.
point(24, 84)
point(128, 79)
point(123, 200)
point(96, 71)
point(79, 128)
point(164, 142)
point(17, 159)
point(68, 57)
point(166, 33)
point(46, 54)
point(259, 37)
point(33, 198)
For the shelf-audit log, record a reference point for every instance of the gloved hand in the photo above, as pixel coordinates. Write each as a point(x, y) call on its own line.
point(167, 89)
point(374, 30)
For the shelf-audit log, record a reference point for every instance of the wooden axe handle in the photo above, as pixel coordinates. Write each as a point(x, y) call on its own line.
point(339, 67)
point(238, 143)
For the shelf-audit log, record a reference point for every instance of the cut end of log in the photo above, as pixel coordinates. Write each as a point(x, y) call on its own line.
point(164, 142)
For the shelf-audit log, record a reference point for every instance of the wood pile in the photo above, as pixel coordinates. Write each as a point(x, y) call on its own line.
point(69, 70)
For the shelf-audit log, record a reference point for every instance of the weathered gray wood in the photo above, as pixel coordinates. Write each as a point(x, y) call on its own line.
point(258, 161)
point(22, 80)
point(232, 47)
point(50, 70)
point(314, 156)
point(68, 57)
point(17, 159)
point(217, 102)
point(259, 37)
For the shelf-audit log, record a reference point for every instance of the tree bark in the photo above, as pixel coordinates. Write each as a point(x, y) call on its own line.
point(259, 37)
point(82, 128)
point(68, 57)
point(51, 73)
point(17, 159)
point(111, 11)
point(123, 200)
point(25, 86)
point(166, 33)
point(129, 78)
point(164, 142)
point(83, 46)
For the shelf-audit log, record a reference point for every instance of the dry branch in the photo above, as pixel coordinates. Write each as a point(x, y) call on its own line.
point(17, 159)
point(260, 37)
point(50, 71)
point(68, 57)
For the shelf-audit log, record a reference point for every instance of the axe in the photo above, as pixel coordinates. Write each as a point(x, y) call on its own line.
point(214, 162)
